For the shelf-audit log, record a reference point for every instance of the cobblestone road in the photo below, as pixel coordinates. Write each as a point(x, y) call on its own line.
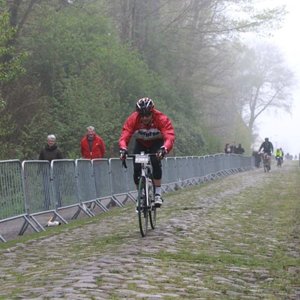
point(107, 258)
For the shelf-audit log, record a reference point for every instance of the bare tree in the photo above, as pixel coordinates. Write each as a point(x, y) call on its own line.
point(265, 83)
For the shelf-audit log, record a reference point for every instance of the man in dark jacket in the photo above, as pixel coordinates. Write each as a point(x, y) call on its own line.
point(239, 149)
point(266, 147)
point(51, 150)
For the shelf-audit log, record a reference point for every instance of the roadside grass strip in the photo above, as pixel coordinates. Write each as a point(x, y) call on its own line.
point(249, 244)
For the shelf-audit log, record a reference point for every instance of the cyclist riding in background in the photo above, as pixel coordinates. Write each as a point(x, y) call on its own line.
point(267, 147)
point(279, 154)
point(154, 133)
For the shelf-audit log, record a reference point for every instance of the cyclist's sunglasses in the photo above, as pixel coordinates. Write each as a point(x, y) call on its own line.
point(145, 114)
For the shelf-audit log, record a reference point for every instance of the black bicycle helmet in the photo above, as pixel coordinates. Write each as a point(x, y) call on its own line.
point(144, 106)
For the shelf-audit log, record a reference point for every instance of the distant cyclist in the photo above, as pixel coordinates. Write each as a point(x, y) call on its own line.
point(154, 133)
point(279, 156)
point(267, 148)
point(282, 152)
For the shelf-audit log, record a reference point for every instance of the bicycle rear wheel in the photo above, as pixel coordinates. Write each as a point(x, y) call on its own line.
point(152, 210)
point(142, 208)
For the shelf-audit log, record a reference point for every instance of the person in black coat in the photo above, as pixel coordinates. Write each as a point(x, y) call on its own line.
point(239, 149)
point(267, 147)
point(51, 150)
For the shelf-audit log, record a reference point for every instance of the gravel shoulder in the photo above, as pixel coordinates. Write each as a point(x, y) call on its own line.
point(233, 238)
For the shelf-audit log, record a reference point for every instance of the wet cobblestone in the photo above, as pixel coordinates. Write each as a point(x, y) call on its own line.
point(69, 264)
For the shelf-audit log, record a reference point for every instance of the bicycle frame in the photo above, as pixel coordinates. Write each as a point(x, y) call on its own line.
point(146, 169)
point(146, 193)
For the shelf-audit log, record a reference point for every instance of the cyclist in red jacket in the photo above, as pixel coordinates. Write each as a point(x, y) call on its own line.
point(92, 145)
point(154, 133)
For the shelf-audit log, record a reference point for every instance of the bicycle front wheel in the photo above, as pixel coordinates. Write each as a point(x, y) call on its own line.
point(152, 210)
point(142, 207)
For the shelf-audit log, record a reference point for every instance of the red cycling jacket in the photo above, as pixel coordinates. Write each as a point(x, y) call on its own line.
point(98, 149)
point(160, 128)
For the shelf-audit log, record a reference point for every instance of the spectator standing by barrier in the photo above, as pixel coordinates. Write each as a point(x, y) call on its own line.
point(239, 149)
point(232, 148)
point(227, 148)
point(92, 145)
point(51, 150)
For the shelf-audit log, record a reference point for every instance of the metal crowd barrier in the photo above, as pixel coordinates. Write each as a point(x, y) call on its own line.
point(34, 188)
point(12, 195)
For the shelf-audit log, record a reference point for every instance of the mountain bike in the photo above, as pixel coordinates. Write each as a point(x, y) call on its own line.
point(145, 206)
